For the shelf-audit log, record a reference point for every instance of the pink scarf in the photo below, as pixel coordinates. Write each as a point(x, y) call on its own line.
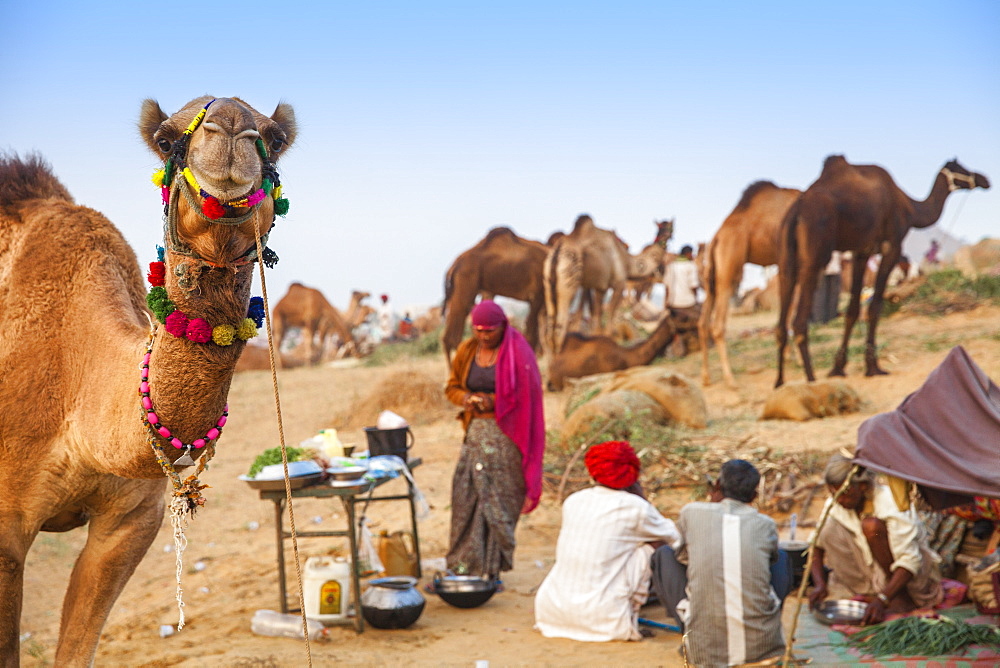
point(519, 407)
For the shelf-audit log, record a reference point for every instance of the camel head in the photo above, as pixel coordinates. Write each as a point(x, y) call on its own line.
point(664, 232)
point(219, 180)
point(959, 178)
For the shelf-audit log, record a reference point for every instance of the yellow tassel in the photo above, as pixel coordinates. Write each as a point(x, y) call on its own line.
point(190, 178)
point(247, 329)
point(158, 177)
point(276, 193)
point(223, 335)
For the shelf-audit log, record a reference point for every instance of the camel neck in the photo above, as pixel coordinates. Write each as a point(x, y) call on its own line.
point(928, 212)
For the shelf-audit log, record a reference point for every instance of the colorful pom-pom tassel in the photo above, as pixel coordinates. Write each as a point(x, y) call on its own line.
point(267, 186)
point(256, 310)
point(160, 251)
point(223, 335)
point(158, 177)
point(281, 206)
point(176, 324)
point(212, 208)
point(276, 193)
point(246, 330)
point(157, 273)
point(159, 303)
point(165, 194)
point(198, 330)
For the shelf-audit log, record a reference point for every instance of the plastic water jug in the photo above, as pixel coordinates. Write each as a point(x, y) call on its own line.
point(326, 584)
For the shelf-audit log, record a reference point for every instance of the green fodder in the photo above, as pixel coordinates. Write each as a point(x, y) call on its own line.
point(948, 291)
point(391, 353)
point(923, 636)
point(416, 396)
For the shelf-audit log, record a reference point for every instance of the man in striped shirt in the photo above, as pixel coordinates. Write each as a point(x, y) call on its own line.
point(732, 613)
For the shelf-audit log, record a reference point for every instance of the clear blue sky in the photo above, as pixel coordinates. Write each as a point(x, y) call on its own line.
point(424, 124)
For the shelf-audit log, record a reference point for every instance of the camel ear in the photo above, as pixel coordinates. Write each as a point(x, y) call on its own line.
point(284, 116)
point(150, 119)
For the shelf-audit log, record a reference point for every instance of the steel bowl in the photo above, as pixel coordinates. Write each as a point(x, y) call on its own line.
point(464, 591)
point(841, 611)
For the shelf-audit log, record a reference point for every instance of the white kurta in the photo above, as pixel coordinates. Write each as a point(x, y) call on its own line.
point(681, 281)
point(602, 572)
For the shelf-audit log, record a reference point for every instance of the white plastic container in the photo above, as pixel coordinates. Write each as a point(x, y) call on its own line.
point(326, 584)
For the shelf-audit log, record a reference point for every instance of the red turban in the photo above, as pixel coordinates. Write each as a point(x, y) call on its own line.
point(613, 464)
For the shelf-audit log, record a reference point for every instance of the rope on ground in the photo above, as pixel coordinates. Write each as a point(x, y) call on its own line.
point(787, 661)
point(284, 451)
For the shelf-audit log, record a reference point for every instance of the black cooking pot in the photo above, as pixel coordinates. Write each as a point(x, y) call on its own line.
point(464, 591)
point(392, 602)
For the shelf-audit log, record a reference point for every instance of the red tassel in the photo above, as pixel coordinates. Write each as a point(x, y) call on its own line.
point(212, 209)
point(157, 274)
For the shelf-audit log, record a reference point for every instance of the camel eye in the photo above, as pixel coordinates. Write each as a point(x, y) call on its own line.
point(276, 144)
point(164, 145)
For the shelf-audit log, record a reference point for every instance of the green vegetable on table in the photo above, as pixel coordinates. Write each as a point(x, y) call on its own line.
point(923, 636)
point(273, 456)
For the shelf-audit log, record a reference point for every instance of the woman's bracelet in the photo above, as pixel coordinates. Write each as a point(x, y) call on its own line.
point(882, 597)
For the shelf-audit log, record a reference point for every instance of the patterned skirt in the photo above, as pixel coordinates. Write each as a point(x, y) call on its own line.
point(487, 493)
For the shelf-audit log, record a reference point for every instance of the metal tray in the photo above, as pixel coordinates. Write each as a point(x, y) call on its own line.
point(842, 611)
point(296, 482)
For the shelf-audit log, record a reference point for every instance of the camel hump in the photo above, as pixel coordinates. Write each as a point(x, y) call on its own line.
point(752, 191)
point(28, 178)
point(584, 222)
point(834, 162)
point(498, 232)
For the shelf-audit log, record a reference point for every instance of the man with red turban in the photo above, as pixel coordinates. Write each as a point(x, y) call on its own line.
point(602, 572)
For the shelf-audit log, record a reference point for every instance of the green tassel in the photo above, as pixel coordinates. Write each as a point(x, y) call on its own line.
point(159, 303)
point(168, 171)
point(267, 186)
point(281, 206)
point(260, 148)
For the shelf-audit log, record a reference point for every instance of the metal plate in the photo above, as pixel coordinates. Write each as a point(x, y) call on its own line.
point(843, 611)
point(296, 482)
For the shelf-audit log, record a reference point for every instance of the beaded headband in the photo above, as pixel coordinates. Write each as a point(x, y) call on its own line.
point(212, 208)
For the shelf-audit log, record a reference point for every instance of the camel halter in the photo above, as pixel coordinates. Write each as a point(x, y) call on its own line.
point(956, 177)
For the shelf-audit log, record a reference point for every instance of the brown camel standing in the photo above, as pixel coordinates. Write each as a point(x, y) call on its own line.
point(595, 261)
point(748, 234)
point(75, 426)
point(307, 309)
point(857, 208)
point(586, 355)
point(501, 264)
point(646, 268)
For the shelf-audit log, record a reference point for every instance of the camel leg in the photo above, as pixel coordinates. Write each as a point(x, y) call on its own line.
point(704, 323)
point(858, 263)
point(535, 307)
point(456, 310)
point(115, 546)
point(616, 299)
point(800, 326)
point(889, 261)
point(13, 549)
point(786, 288)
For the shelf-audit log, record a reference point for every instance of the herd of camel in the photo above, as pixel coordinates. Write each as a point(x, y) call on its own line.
point(82, 364)
point(856, 208)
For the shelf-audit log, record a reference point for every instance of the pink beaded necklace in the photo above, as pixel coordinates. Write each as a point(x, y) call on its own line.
point(153, 420)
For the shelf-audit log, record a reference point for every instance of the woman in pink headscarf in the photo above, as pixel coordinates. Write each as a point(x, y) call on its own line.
point(495, 379)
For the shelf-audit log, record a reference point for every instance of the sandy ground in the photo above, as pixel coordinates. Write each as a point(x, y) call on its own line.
point(233, 536)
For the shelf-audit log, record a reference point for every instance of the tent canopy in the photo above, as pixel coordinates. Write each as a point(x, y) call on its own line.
point(945, 436)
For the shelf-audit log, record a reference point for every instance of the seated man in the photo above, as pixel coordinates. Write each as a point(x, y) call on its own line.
point(602, 572)
point(876, 551)
point(735, 576)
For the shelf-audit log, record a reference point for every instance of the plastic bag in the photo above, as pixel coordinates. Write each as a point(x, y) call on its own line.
point(369, 562)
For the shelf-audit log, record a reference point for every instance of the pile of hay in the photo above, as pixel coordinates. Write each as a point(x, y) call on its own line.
point(417, 397)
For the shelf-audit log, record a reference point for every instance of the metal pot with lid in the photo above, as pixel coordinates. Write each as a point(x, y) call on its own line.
point(392, 602)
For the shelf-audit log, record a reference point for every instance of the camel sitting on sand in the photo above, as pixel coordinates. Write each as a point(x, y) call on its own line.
point(748, 234)
point(586, 355)
point(307, 309)
point(593, 260)
point(501, 264)
point(83, 365)
point(856, 208)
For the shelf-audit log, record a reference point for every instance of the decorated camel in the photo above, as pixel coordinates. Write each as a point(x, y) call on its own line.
point(501, 264)
point(857, 208)
point(646, 268)
point(100, 397)
point(748, 234)
point(592, 260)
point(307, 309)
point(586, 355)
